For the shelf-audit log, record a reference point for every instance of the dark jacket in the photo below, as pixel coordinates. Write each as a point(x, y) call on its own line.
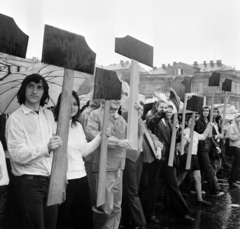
point(163, 132)
point(207, 144)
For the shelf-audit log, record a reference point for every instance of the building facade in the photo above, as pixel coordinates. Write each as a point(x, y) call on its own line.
point(163, 77)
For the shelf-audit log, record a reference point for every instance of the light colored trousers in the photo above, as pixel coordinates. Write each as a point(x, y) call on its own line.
point(108, 215)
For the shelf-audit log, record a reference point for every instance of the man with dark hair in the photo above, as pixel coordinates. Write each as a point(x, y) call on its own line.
point(30, 141)
point(160, 126)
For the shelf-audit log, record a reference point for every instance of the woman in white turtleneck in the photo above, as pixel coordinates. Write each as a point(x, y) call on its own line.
point(77, 205)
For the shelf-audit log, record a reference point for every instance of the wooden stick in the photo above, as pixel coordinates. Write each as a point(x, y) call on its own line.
point(103, 157)
point(183, 122)
point(58, 180)
point(132, 130)
point(189, 154)
point(173, 142)
point(211, 115)
point(224, 111)
point(148, 137)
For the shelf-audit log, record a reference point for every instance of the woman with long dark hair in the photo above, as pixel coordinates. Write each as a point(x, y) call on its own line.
point(77, 205)
point(216, 159)
point(195, 168)
point(204, 148)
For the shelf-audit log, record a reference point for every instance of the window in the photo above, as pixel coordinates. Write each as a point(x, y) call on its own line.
point(180, 71)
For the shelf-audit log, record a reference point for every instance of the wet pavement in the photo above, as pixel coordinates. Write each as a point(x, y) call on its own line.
point(224, 213)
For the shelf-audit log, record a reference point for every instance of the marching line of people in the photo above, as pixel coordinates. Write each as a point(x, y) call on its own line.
point(31, 141)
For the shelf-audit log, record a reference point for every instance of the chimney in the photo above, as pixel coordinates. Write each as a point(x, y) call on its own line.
point(163, 66)
point(169, 65)
point(195, 63)
point(122, 63)
point(154, 67)
point(205, 63)
point(211, 63)
point(174, 63)
point(219, 62)
point(127, 62)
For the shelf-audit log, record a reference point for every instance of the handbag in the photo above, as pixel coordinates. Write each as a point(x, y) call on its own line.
point(4, 178)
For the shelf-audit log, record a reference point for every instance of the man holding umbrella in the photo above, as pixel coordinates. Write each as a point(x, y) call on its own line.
point(30, 141)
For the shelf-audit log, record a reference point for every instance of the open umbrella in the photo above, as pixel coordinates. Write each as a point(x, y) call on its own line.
point(11, 82)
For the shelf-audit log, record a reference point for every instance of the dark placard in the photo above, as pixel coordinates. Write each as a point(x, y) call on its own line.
point(195, 103)
point(134, 49)
point(107, 85)
point(227, 85)
point(13, 41)
point(67, 50)
point(214, 80)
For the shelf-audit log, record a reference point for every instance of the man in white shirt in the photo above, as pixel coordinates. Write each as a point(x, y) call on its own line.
point(30, 141)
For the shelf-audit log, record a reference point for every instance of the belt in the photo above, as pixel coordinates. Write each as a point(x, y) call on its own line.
point(35, 177)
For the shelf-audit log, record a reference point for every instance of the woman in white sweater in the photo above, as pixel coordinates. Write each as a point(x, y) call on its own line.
point(77, 206)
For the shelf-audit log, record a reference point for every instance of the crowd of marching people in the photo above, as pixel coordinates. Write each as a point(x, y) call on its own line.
point(132, 176)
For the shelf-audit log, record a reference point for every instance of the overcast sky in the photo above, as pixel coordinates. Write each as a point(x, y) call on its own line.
point(179, 30)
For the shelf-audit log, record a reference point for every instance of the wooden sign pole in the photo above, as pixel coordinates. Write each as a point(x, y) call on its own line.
point(107, 86)
point(195, 104)
point(226, 87)
point(70, 51)
point(211, 114)
point(224, 112)
point(214, 81)
point(183, 122)
point(133, 98)
point(103, 157)
point(173, 142)
point(189, 154)
point(137, 51)
point(57, 187)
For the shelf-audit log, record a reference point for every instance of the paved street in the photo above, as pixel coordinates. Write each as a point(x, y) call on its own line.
point(222, 214)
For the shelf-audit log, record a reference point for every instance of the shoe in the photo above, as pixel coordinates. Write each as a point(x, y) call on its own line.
point(218, 194)
point(153, 219)
point(203, 202)
point(125, 224)
point(194, 192)
point(235, 185)
point(185, 220)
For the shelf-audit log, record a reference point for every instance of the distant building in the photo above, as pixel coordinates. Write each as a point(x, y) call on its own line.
point(200, 74)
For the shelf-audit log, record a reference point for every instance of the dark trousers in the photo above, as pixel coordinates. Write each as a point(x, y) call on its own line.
point(169, 175)
point(131, 205)
point(173, 193)
point(88, 167)
point(151, 190)
point(12, 218)
point(207, 169)
point(77, 205)
point(235, 172)
point(32, 193)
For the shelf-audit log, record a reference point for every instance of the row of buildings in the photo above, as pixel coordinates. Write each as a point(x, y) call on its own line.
point(199, 73)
